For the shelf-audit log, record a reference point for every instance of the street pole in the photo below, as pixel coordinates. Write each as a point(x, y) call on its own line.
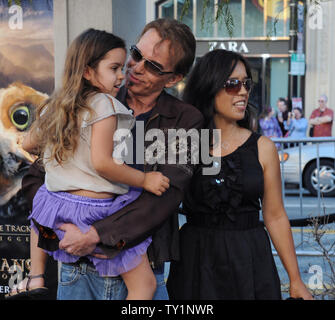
point(292, 81)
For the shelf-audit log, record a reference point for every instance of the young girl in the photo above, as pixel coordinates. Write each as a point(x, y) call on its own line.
point(74, 133)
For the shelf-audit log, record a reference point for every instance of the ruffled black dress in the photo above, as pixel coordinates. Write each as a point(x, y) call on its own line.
point(225, 252)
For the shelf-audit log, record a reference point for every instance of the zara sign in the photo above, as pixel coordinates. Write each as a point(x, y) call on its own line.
point(230, 45)
point(245, 47)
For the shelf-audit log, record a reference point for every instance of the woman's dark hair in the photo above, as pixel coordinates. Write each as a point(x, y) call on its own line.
point(266, 111)
point(208, 77)
point(300, 110)
point(281, 99)
point(287, 102)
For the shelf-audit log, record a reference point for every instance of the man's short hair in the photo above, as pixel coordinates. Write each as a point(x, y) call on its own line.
point(324, 97)
point(182, 41)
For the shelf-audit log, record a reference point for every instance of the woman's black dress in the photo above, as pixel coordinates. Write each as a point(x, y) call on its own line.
point(225, 250)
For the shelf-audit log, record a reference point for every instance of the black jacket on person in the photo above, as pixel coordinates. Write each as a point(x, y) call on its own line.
point(281, 124)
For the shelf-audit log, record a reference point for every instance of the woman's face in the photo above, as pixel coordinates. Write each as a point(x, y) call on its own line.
point(297, 113)
point(230, 106)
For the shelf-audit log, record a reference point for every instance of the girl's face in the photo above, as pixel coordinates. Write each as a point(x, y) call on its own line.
point(108, 75)
point(230, 106)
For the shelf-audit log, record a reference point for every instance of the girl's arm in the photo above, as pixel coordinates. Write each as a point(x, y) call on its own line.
point(275, 217)
point(107, 167)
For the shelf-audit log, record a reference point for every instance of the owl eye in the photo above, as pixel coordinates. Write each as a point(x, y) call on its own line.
point(20, 117)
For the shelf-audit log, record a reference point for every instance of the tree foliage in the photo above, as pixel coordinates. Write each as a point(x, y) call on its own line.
point(224, 15)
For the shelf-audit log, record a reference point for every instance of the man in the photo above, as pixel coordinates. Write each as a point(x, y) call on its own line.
point(282, 114)
point(321, 119)
point(161, 58)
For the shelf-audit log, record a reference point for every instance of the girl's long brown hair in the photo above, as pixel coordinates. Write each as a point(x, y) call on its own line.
point(57, 124)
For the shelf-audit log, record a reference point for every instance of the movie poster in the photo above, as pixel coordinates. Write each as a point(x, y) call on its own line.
point(26, 79)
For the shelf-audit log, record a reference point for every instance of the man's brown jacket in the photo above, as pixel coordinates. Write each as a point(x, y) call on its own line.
point(149, 215)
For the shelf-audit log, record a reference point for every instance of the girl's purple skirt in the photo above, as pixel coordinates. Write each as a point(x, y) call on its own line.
point(52, 209)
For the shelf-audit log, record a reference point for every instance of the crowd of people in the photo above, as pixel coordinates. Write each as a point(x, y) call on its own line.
point(290, 122)
point(111, 224)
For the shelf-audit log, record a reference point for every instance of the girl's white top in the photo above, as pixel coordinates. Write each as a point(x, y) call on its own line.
point(78, 172)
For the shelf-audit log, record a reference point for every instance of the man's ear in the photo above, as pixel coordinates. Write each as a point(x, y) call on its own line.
point(175, 78)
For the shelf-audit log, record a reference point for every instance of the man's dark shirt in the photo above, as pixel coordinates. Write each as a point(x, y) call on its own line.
point(143, 117)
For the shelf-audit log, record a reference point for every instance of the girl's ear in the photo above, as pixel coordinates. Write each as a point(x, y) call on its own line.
point(88, 73)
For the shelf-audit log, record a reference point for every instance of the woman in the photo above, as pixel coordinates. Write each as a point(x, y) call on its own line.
point(269, 124)
point(296, 124)
point(225, 251)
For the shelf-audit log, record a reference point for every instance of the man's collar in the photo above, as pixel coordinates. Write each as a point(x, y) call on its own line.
point(163, 105)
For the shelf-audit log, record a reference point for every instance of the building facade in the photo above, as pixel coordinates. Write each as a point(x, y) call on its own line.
point(261, 32)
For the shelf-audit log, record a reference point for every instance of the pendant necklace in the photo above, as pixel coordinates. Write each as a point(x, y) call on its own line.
point(226, 145)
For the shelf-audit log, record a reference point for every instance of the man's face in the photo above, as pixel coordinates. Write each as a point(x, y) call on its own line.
point(281, 106)
point(322, 104)
point(139, 80)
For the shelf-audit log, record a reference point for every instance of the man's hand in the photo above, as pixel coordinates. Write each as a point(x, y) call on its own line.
point(77, 243)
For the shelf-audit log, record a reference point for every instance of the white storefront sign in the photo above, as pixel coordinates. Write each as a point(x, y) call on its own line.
point(230, 45)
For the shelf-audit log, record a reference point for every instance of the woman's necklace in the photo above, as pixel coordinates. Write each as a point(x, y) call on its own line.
point(226, 144)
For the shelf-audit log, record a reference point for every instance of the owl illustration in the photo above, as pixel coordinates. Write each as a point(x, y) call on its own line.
point(17, 112)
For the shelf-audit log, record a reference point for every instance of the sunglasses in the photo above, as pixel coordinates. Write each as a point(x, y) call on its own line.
point(150, 66)
point(233, 86)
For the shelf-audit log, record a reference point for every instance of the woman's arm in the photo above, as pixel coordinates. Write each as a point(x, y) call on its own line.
point(275, 217)
point(107, 167)
point(288, 125)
